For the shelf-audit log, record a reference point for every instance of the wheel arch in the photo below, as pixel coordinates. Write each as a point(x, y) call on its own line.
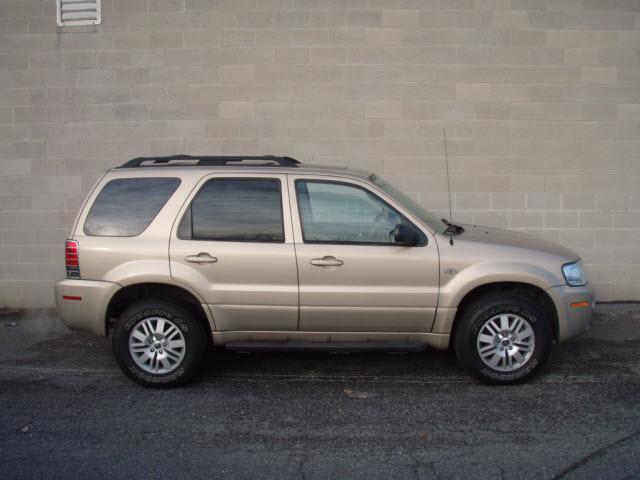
point(541, 297)
point(138, 291)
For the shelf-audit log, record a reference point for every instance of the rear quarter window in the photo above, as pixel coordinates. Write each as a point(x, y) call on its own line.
point(125, 207)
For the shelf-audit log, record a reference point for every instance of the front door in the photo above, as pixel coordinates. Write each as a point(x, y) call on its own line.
point(353, 277)
point(234, 245)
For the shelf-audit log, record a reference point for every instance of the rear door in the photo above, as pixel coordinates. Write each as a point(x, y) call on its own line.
point(353, 277)
point(233, 243)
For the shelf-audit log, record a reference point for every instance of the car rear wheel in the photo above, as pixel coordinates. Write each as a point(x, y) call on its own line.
point(503, 338)
point(159, 344)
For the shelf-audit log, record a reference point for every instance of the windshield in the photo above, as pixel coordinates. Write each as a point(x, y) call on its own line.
point(427, 217)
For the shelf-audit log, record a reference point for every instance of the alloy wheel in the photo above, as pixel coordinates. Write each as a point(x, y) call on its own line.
point(506, 342)
point(157, 345)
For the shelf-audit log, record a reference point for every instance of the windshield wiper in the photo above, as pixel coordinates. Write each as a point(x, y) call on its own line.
point(452, 228)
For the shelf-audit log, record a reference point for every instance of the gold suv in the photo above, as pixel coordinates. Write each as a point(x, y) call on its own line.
point(174, 254)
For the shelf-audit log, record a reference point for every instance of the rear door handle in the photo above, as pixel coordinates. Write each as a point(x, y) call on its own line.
point(202, 257)
point(326, 261)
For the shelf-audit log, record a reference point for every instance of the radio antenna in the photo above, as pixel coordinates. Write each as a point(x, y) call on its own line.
point(446, 163)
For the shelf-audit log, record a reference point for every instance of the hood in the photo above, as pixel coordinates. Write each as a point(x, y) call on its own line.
point(507, 238)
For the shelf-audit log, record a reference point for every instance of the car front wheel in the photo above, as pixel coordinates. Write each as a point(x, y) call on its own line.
point(159, 344)
point(503, 338)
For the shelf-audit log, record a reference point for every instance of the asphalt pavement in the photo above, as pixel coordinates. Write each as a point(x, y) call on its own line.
point(67, 412)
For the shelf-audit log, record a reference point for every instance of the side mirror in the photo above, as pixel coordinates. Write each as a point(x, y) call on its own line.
point(405, 234)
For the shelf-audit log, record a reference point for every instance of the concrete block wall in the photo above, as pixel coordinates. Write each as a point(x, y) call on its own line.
point(540, 99)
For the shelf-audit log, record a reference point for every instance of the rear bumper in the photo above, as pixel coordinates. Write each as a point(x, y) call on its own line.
point(572, 320)
point(82, 304)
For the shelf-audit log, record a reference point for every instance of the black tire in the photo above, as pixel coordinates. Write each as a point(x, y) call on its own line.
point(477, 313)
point(192, 330)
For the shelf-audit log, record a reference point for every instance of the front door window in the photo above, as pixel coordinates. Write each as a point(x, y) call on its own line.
point(332, 212)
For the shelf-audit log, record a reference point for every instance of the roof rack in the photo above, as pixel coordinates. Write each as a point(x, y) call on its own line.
point(212, 161)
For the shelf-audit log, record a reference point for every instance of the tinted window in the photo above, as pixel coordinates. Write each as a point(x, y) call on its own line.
point(341, 213)
point(125, 207)
point(235, 209)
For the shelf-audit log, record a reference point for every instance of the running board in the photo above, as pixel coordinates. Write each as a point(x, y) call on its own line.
point(326, 347)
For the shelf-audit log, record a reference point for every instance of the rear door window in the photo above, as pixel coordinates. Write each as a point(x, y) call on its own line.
point(126, 206)
point(235, 210)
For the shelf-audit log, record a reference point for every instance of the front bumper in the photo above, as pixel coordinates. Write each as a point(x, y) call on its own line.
point(572, 320)
point(82, 304)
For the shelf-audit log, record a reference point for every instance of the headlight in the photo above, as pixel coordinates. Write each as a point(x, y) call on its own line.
point(574, 274)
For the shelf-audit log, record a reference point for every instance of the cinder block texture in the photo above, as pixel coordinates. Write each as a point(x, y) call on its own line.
point(540, 99)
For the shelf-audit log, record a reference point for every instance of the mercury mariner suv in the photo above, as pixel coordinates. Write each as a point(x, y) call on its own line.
point(171, 255)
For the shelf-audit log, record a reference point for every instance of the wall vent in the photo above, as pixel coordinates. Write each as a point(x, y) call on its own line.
point(78, 12)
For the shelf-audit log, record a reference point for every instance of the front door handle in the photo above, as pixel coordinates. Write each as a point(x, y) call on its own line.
point(202, 257)
point(326, 261)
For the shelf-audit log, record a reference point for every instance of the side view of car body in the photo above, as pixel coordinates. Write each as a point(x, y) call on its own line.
point(171, 255)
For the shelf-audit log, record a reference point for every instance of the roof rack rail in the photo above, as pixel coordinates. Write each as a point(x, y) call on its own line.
point(212, 161)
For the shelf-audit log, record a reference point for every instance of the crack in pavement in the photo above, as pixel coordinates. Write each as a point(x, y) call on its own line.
point(593, 456)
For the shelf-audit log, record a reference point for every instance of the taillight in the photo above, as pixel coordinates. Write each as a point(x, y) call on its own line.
point(72, 260)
